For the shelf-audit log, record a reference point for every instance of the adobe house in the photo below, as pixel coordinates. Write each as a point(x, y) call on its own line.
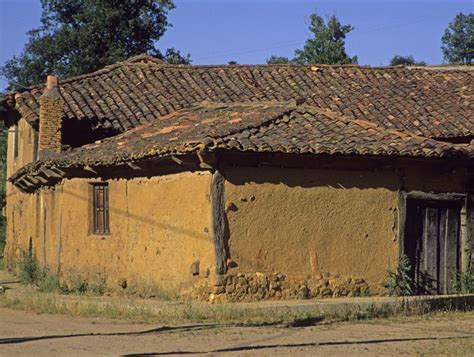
point(244, 182)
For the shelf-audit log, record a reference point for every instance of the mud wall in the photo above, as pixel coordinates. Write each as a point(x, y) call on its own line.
point(20, 210)
point(312, 222)
point(160, 238)
point(22, 225)
point(25, 144)
point(322, 232)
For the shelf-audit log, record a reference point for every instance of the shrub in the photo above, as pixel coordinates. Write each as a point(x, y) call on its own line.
point(29, 269)
point(77, 287)
point(464, 282)
point(365, 291)
point(99, 287)
point(398, 282)
point(48, 282)
point(30, 273)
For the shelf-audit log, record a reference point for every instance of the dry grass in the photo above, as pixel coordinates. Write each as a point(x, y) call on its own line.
point(165, 312)
point(448, 347)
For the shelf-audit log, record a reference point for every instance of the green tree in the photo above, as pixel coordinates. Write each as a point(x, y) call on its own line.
point(327, 45)
point(80, 36)
point(173, 56)
point(458, 40)
point(398, 60)
point(278, 60)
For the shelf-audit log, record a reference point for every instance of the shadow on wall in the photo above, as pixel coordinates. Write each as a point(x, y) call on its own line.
point(310, 178)
point(144, 220)
point(125, 214)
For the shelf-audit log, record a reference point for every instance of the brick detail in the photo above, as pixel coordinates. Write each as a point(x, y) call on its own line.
point(51, 116)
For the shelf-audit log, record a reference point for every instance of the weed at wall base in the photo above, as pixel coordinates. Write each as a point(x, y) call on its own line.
point(48, 283)
point(398, 282)
point(30, 273)
point(464, 282)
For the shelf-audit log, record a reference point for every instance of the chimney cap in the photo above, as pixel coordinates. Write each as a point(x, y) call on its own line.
point(51, 82)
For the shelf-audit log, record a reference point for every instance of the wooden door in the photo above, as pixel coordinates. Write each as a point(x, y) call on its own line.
point(432, 244)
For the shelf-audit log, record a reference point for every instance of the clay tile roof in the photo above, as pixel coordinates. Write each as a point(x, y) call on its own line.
point(432, 102)
point(251, 127)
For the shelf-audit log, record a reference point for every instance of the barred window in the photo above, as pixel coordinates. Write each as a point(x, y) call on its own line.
point(100, 208)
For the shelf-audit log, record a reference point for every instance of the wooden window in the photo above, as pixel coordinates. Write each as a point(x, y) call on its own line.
point(15, 142)
point(35, 145)
point(100, 208)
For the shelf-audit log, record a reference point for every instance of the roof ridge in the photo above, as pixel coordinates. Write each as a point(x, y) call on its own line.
point(149, 60)
point(122, 95)
point(285, 108)
point(140, 59)
point(289, 106)
point(144, 57)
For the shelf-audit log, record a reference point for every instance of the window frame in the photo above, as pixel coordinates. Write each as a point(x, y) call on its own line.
point(16, 141)
point(100, 209)
point(35, 145)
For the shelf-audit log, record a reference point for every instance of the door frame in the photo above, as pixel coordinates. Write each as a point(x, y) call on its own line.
point(466, 233)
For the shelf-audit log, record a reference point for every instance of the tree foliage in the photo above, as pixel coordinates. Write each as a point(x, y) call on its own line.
point(458, 40)
point(327, 46)
point(278, 60)
point(398, 60)
point(174, 56)
point(80, 36)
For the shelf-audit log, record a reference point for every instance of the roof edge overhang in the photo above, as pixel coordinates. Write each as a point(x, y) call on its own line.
point(38, 175)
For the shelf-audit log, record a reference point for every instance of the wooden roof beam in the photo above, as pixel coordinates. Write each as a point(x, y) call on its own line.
point(50, 173)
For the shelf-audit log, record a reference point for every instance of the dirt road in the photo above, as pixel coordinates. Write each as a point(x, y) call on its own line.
point(23, 333)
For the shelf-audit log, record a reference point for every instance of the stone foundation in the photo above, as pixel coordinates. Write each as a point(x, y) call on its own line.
point(259, 286)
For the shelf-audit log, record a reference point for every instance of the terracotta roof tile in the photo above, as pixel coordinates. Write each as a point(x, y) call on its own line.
point(249, 127)
point(433, 102)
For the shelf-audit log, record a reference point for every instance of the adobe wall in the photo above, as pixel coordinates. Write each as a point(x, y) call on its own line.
point(294, 233)
point(20, 210)
point(25, 146)
point(159, 227)
point(21, 216)
point(304, 233)
point(312, 222)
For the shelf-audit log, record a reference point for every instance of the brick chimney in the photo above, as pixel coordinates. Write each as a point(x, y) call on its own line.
point(51, 116)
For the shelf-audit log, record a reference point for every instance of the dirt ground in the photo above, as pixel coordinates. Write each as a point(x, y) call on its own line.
point(24, 333)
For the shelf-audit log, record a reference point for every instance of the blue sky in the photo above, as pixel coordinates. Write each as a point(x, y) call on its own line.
point(217, 31)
